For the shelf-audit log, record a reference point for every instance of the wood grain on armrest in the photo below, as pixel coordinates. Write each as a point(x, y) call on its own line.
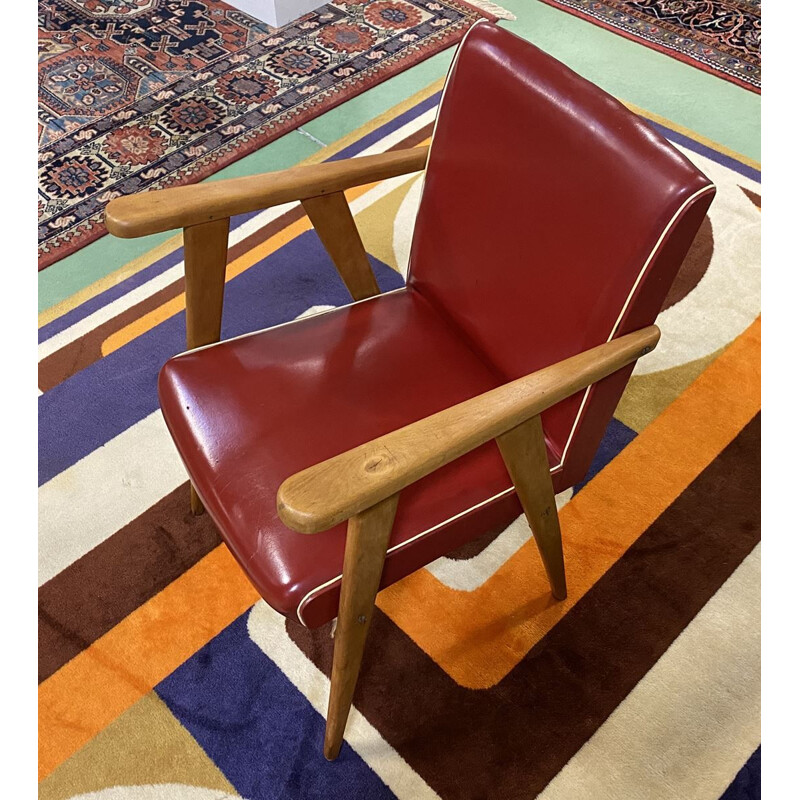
point(321, 496)
point(179, 207)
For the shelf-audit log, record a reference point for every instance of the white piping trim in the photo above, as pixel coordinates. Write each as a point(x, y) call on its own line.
point(628, 301)
point(625, 305)
point(289, 322)
point(450, 72)
point(653, 252)
point(413, 538)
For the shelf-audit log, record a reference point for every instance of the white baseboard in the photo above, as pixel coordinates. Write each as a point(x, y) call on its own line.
point(276, 12)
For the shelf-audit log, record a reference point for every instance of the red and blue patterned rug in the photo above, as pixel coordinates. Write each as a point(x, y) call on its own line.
point(722, 37)
point(142, 94)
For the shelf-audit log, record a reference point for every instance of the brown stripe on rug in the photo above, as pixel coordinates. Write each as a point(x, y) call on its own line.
point(83, 352)
point(101, 588)
point(509, 741)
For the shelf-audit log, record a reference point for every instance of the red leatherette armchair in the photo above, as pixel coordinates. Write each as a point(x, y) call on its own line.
point(551, 226)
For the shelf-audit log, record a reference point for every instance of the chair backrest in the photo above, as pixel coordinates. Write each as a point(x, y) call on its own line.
point(552, 219)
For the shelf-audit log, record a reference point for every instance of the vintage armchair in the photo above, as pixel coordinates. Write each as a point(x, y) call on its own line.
point(551, 226)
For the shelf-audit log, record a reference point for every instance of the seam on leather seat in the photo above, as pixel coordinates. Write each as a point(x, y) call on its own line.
point(292, 321)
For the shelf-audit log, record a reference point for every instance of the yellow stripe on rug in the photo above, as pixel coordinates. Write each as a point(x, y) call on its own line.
point(106, 282)
point(690, 134)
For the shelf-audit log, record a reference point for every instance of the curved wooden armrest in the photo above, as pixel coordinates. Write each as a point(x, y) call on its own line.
point(321, 496)
point(183, 206)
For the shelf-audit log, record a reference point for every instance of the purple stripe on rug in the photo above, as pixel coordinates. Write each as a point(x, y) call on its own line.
point(387, 128)
point(705, 150)
point(258, 729)
point(120, 289)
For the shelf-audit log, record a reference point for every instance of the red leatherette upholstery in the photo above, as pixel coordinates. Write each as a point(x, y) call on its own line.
point(551, 218)
point(544, 198)
point(297, 394)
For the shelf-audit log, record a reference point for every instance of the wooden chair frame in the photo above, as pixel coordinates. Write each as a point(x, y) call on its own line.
point(363, 485)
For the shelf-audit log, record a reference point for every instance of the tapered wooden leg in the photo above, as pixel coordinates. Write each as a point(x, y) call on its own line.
point(330, 215)
point(195, 503)
point(205, 253)
point(365, 551)
point(525, 455)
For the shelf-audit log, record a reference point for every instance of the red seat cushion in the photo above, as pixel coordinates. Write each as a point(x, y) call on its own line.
point(248, 413)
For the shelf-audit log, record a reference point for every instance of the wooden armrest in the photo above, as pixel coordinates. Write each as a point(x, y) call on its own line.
point(182, 206)
point(321, 496)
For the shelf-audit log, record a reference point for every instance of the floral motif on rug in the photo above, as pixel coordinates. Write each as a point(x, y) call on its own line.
point(722, 37)
point(143, 94)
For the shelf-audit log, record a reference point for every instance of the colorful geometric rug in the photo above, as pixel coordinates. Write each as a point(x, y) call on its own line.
point(722, 37)
point(162, 675)
point(140, 94)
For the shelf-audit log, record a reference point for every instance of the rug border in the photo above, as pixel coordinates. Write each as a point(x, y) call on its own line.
point(659, 48)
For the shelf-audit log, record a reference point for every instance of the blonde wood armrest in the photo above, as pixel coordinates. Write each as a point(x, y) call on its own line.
point(183, 206)
point(321, 496)
point(204, 212)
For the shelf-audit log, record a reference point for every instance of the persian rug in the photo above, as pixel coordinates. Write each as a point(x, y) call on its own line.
point(722, 37)
point(162, 674)
point(142, 94)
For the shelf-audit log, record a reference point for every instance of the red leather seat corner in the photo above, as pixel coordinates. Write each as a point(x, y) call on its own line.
point(247, 413)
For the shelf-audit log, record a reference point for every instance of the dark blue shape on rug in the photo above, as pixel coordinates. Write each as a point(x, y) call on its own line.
point(616, 438)
point(258, 728)
point(747, 783)
point(100, 402)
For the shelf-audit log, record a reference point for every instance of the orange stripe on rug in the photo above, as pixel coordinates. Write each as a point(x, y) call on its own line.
point(92, 690)
point(478, 637)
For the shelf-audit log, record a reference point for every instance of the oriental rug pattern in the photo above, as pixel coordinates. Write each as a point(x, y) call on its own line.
point(142, 94)
point(722, 37)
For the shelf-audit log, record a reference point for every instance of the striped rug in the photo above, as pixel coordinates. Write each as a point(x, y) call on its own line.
point(162, 675)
